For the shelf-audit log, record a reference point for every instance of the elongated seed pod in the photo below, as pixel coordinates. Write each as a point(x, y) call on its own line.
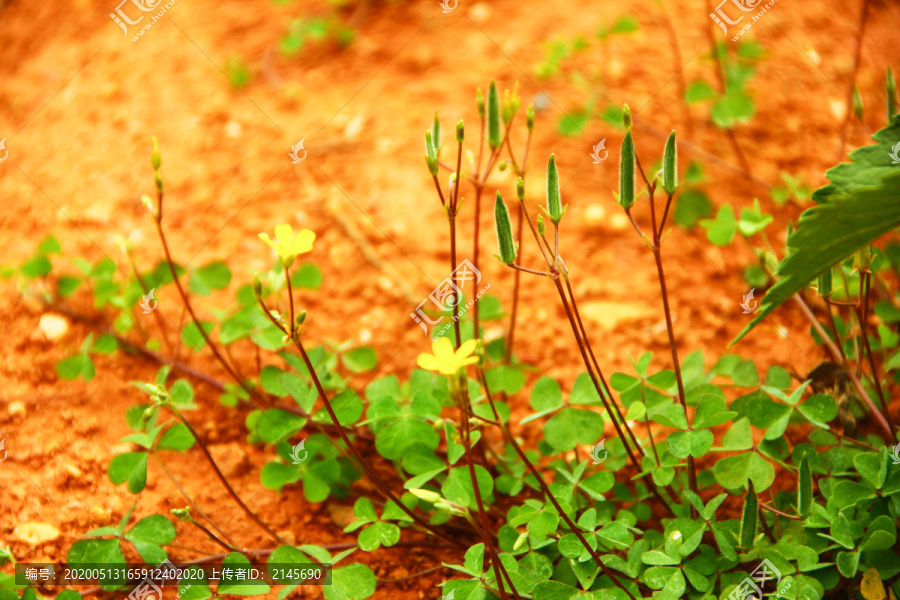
point(670, 166)
point(529, 117)
point(554, 204)
point(436, 133)
point(460, 132)
point(430, 148)
point(479, 102)
point(155, 157)
point(626, 172)
point(493, 116)
point(504, 231)
point(520, 188)
point(626, 117)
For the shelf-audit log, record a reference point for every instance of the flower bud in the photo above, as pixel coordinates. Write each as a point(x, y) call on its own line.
point(503, 165)
point(493, 116)
point(148, 414)
point(460, 132)
point(426, 495)
point(436, 133)
point(504, 231)
point(257, 288)
point(626, 172)
point(520, 188)
point(554, 205)
point(626, 117)
point(479, 101)
point(430, 149)
point(300, 318)
point(529, 117)
point(182, 514)
point(155, 157)
point(542, 229)
point(670, 166)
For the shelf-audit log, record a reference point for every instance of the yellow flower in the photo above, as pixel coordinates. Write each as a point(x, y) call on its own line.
point(287, 245)
point(447, 361)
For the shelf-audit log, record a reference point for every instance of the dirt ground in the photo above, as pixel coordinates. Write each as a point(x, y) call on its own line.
point(80, 101)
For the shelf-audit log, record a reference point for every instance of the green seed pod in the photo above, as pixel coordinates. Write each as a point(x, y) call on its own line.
point(857, 103)
point(157, 179)
point(825, 284)
point(520, 188)
point(670, 166)
point(554, 205)
point(504, 231)
point(529, 117)
point(891, 95)
point(479, 101)
point(155, 157)
point(257, 288)
point(626, 117)
point(626, 173)
point(460, 132)
point(542, 229)
point(433, 166)
point(493, 116)
point(436, 133)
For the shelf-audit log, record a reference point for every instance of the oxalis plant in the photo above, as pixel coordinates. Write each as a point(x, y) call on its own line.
point(678, 495)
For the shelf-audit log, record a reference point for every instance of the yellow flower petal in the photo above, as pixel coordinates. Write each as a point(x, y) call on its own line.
point(284, 233)
point(303, 243)
point(428, 362)
point(265, 237)
point(443, 349)
point(467, 348)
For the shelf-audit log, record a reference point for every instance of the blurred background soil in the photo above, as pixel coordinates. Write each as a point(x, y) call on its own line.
point(80, 101)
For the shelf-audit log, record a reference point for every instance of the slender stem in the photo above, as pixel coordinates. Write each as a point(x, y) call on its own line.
point(527, 270)
point(778, 512)
point(462, 402)
point(455, 280)
point(385, 491)
point(537, 238)
point(837, 337)
point(516, 283)
point(190, 500)
point(222, 477)
point(478, 190)
point(290, 290)
point(807, 311)
point(187, 305)
point(545, 488)
point(590, 350)
point(587, 364)
point(864, 316)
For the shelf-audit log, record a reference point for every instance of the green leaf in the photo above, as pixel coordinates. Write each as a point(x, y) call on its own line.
point(739, 436)
point(154, 529)
point(690, 207)
point(858, 207)
point(819, 409)
point(76, 366)
point(546, 395)
point(276, 475)
point(307, 277)
point(211, 276)
point(699, 90)
point(506, 379)
point(849, 493)
point(712, 411)
point(378, 534)
point(130, 467)
point(276, 425)
point(353, 582)
point(239, 587)
point(721, 230)
point(873, 467)
point(360, 360)
point(847, 564)
point(178, 437)
point(733, 108)
point(573, 426)
point(695, 443)
point(842, 532)
point(573, 123)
